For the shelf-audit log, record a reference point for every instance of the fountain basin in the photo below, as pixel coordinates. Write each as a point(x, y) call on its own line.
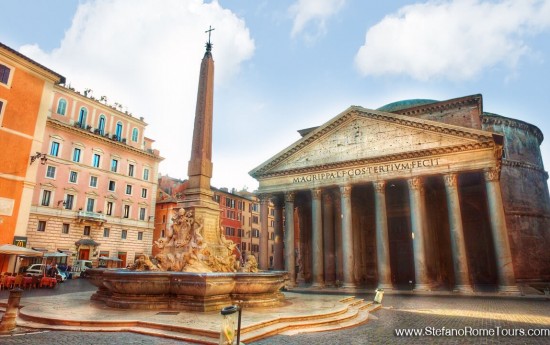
point(126, 289)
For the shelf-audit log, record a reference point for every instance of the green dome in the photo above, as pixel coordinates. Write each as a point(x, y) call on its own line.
point(408, 103)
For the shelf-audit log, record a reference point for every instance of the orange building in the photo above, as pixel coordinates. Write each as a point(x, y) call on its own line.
point(25, 95)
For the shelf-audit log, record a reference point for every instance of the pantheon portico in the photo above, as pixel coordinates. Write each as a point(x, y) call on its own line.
point(399, 198)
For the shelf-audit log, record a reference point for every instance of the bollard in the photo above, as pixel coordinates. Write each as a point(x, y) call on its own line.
point(7, 323)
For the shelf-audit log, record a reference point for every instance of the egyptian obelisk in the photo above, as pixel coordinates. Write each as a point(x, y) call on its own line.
point(198, 195)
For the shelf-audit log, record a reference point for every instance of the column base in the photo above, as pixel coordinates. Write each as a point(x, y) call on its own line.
point(349, 286)
point(422, 287)
point(508, 289)
point(465, 289)
point(385, 286)
point(318, 285)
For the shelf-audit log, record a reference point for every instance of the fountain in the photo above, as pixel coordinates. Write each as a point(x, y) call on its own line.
point(196, 269)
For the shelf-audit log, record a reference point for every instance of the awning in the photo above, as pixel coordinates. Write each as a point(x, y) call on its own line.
point(104, 258)
point(54, 255)
point(10, 249)
point(40, 249)
point(86, 242)
point(65, 251)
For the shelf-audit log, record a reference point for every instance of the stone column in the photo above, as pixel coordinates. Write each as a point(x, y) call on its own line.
point(317, 239)
point(347, 237)
point(263, 260)
point(278, 258)
point(329, 240)
point(382, 237)
point(416, 201)
point(290, 260)
point(458, 244)
point(505, 268)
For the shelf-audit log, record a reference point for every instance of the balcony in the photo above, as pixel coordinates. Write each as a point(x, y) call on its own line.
point(91, 217)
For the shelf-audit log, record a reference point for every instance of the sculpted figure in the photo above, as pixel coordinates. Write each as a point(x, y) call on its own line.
point(143, 263)
point(251, 265)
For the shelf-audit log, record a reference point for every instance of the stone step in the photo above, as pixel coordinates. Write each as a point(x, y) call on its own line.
point(357, 313)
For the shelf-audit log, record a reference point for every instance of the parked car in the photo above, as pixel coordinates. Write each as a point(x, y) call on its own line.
point(36, 270)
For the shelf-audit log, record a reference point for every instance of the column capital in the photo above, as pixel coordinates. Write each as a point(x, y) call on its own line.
point(289, 196)
point(415, 183)
point(451, 180)
point(327, 197)
point(278, 200)
point(492, 174)
point(265, 198)
point(316, 193)
point(379, 186)
point(345, 191)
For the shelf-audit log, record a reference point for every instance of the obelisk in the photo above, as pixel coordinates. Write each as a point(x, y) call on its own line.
point(198, 195)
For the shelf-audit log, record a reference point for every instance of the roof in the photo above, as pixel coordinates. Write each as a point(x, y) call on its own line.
point(407, 103)
point(26, 58)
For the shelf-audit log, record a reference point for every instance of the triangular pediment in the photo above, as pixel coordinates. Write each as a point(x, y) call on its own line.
point(370, 135)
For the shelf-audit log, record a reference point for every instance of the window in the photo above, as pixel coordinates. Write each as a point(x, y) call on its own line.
point(1, 106)
point(163, 218)
point(229, 231)
point(61, 106)
point(255, 219)
point(109, 208)
point(41, 225)
point(254, 207)
point(129, 189)
point(46, 196)
point(93, 181)
point(73, 176)
point(95, 162)
point(271, 235)
point(141, 213)
point(104, 253)
point(124, 234)
point(135, 134)
point(126, 211)
point(240, 232)
point(106, 232)
point(114, 165)
point(65, 228)
point(118, 131)
point(131, 170)
point(255, 248)
point(4, 74)
point(69, 200)
point(54, 149)
point(101, 125)
point(146, 174)
point(50, 172)
point(87, 230)
point(90, 205)
point(76, 154)
point(82, 117)
point(143, 192)
point(112, 186)
point(230, 202)
point(140, 235)
point(255, 233)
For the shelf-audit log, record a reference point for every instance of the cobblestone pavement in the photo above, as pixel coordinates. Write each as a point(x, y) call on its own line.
point(399, 312)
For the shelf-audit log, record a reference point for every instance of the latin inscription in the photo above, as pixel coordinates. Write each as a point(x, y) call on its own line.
point(367, 170)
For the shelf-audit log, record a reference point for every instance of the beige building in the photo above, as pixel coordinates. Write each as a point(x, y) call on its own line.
point(418, 193)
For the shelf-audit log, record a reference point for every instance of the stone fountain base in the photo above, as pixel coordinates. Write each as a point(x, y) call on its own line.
point(125, 289)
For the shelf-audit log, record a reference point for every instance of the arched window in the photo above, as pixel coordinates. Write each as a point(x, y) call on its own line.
point(61, 106)
point(118, 132)
point(135, 134)
point(82, 117)
point(101, 124)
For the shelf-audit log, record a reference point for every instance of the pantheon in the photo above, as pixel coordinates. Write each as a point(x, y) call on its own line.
point(422, 194)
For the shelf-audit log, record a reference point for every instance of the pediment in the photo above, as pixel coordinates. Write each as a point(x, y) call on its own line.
point(370, 135)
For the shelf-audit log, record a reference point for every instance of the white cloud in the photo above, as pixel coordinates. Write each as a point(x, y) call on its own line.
point(317, 11)
point(146, 55)
point(453, 40)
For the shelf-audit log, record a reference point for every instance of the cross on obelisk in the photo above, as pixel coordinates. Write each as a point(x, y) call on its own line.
point(208, 44)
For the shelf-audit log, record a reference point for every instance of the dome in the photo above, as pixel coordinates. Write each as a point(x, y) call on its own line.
point(408, 103)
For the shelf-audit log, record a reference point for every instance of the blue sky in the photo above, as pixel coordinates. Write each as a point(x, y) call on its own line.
point(286, 65)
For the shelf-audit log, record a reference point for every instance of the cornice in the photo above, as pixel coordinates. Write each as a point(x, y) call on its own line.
point(432, 126)
point(101, 139)
point(442, 105)
point(524, 165)
point(383, 159)
point(495, 119)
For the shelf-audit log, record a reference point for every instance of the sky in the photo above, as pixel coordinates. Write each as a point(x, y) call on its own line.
point(285, 65)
